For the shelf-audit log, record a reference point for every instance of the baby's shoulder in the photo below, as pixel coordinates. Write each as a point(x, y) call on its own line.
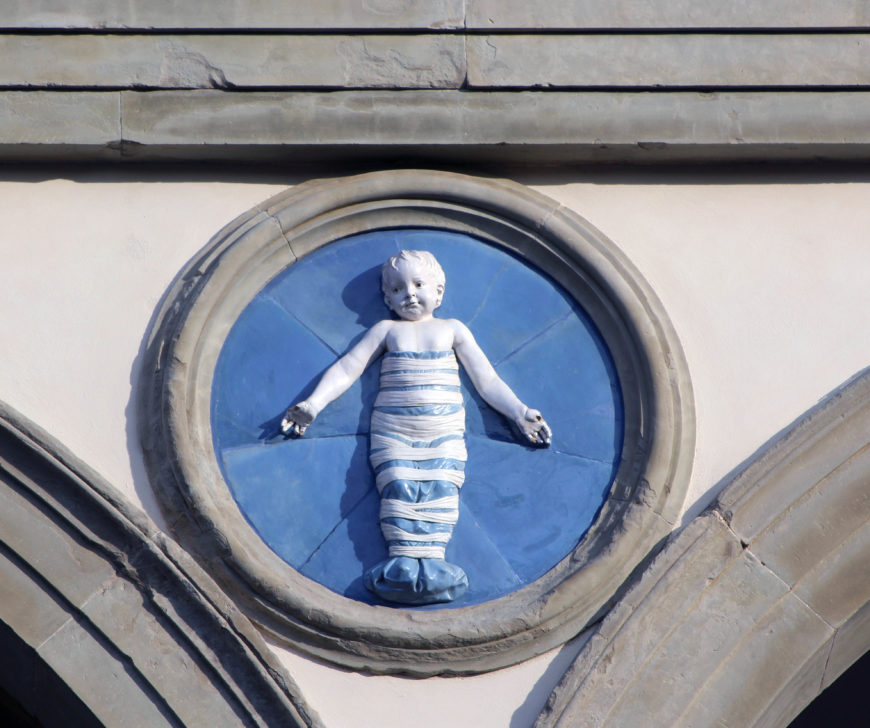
point(458, 328)
point(384, 325)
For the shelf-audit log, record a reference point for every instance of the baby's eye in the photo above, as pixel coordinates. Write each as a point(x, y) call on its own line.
point(419, 285)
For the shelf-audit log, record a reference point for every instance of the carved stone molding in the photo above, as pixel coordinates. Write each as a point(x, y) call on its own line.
point(757, 605)
point(645, 498)
point(106, 621)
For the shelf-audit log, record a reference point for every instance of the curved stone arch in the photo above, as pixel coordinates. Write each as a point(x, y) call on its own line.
point(644, 501)
point(109, 622)
point(757, 605)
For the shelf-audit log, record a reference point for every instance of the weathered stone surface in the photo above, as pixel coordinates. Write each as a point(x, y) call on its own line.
point(234, 14)
point(445, 117)
point(35, 619)
point(795, 695)
point(752, 648)
point(227, 61)
point(819, 444)
point(662, 60)
point(462, 126)
point(634, 631)
point(77, 656)
point(788, 639)
point(838, 585)
point(120, 612)
point(33, 684)
point(103, 656)
point(55, 555)
point(579, 14)
point(815, 526)
point(850, 644)
point(59, 117)
point(724, 612)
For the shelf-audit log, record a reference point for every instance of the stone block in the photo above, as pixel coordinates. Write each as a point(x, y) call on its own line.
point(663, 60)
point(838, 585)
point(635, 632)
point(592, 119)
point(233, 14)
point(462, 126)
point(121, 613)
point(850, 644)
point(617, 14)
point(723, 612)
point(802, 458)
point(108, 685)
point(59, 117)
point(230, 61)
point(813, 528)
point(23, 605)
point(797, 694)
point(343, 117)
point(788, 641)
point(71, 567)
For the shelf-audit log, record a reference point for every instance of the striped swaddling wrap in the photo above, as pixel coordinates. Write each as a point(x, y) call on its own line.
point(417, 451)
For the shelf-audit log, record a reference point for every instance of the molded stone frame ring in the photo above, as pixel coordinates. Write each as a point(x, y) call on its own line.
point(644, 501)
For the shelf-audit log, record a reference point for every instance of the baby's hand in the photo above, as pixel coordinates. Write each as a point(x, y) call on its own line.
point(297, 418)
point(534, 428)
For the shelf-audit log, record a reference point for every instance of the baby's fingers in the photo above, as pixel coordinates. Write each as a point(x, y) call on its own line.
point(545, 433)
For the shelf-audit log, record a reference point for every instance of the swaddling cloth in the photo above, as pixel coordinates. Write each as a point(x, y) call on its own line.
point(417, 451)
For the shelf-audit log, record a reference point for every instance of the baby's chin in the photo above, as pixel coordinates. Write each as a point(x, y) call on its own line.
point(412, 314)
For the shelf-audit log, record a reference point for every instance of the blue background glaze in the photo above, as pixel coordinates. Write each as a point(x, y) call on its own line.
point(313, 500)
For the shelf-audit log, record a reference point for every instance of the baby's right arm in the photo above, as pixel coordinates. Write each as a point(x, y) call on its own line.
point(336, 380)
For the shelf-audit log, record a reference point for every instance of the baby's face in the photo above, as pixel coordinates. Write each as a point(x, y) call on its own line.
point(411, 292)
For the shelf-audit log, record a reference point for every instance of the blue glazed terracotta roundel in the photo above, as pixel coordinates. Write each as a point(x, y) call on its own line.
point(313, 500)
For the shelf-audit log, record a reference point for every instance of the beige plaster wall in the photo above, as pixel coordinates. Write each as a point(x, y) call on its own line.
point(764, 279)
point(766, 282)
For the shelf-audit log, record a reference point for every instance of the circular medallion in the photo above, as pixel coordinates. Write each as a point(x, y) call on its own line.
point(313, 500)
point(289, 527)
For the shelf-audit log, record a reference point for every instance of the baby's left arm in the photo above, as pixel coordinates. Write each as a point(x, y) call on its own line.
point(494, 391)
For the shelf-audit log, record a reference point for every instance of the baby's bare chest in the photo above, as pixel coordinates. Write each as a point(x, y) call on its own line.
point(431, 335)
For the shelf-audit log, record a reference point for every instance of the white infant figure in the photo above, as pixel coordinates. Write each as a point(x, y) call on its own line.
point(417, 444)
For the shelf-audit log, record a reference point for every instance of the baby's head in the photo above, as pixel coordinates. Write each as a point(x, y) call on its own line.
point(408, 265)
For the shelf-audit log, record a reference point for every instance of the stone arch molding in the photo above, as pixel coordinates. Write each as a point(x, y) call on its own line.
point(757, 605)
point(241, 259)
point(105, 621)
